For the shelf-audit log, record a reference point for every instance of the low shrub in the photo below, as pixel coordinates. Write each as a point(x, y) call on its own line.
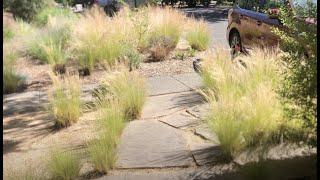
point(129, 89)
point(199, 36)
point(12, 82)
point(63, 165)
point(64, 98)
point(246, 110)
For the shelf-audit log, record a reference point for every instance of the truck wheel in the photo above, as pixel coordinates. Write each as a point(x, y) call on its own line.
point(235, 44)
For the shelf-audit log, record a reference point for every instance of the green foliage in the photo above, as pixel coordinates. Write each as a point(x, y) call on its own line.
point(63, 165)
point(42, 17)
point(64, 99)
point(26, 9)
point(11, 80)
point(299, 87)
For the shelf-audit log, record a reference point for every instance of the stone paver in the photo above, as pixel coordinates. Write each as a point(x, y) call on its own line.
point(157, 106)
point(199, 111)
point(204, 131)
point(191, 80)
point(206, 153)
point(164, 85)
point(180, 120)
point(150, 144)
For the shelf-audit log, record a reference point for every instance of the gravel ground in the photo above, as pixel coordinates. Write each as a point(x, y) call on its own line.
point(167, 67)
point(37, 74)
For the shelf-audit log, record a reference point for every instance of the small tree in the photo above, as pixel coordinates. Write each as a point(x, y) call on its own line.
point(299, 42)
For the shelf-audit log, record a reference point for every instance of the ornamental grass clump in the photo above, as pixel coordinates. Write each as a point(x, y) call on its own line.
point(63, 165)
point(110, 123)
point(107, 43)
point(128, 88)
point(12, 81)
point(64, 98)
point(245, 108)
point(51, 44)
point(119, 99)
point(165, 31)
point(199, 35)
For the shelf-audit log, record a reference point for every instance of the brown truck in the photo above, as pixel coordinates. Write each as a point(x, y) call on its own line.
point(250, 22)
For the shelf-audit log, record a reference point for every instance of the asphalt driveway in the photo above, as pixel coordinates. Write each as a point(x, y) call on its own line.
point(216, 17)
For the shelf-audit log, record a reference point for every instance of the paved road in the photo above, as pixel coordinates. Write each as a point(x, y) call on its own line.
point(216, 17)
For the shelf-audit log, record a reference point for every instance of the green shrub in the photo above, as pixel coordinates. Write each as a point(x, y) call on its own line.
point(299, 86)
point(11, 80)
point(129, 89)
point(199, 36)
point(42, 17)
point(26, 9)
point(63, 165)
point(64, 99)
point(246, 110)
